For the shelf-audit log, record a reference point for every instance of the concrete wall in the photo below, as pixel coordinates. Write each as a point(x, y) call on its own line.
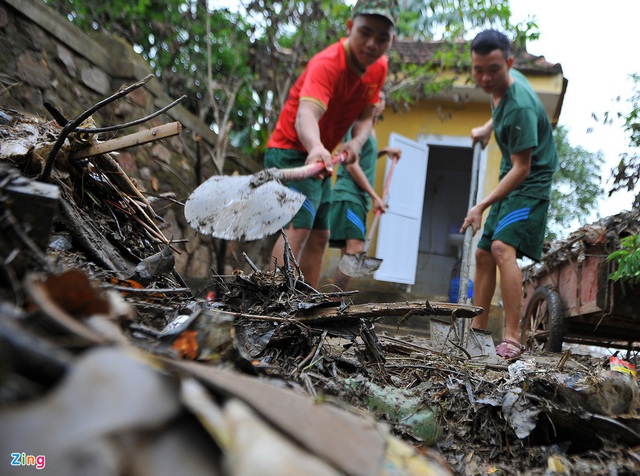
point(46, 58)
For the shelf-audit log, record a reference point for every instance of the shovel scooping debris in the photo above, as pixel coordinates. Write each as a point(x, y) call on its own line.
point(248, 207)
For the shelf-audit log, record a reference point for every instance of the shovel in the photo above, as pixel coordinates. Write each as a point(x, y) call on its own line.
point(249, 207)
point(458, 333)
point(360, 265)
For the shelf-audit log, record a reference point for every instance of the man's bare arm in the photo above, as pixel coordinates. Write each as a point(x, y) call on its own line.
point(518, 173)
point(308, 130)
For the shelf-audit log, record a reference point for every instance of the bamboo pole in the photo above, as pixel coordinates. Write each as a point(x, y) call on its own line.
point(131, 140)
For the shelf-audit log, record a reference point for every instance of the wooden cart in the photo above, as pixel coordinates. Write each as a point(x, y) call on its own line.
point(568, 297)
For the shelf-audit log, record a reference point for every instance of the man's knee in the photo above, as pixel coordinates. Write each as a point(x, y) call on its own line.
point(502, 251)
point(354, 247)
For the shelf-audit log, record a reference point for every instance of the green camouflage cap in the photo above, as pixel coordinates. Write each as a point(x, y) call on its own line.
point(386, 8)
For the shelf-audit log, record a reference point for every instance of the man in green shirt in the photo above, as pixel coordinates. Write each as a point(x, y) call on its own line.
point(354, 195)
point(515, 226)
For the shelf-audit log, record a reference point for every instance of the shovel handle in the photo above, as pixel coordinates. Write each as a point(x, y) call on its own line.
point(306, 171)
point(387, 184)
point(376, 216)
point(374, 225)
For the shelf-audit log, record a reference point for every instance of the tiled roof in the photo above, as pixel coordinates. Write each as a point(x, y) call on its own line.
point(420, 52)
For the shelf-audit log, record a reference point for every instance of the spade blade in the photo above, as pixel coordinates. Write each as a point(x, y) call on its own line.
point(234, 208)
point(358, 265)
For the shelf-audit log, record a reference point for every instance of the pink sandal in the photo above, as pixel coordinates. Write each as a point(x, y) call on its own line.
point(509, 349)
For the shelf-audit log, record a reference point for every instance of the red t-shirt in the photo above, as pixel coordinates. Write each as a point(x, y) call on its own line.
point(332, 81)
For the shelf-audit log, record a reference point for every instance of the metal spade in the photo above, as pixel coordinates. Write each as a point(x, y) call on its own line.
point(248, 207)
point(458, 334)
point(360, 265)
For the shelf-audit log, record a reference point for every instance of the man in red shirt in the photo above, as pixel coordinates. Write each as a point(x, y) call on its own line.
point(339, 87)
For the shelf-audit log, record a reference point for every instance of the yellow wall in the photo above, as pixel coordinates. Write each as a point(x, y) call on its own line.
point(439, 118)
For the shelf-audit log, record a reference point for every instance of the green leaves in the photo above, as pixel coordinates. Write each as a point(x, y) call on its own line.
point(627, 259)
point(237, 60)
point(626, 175)
point(576, 186)
point(451, 19)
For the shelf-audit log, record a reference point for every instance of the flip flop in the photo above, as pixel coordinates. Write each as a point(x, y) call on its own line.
point(509, 349)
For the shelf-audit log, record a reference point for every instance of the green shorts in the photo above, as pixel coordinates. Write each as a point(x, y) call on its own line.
point(518, 221)
point(314, 213)
point(348, 222)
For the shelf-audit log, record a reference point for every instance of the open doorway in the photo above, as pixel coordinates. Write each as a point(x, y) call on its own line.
point(446, 200)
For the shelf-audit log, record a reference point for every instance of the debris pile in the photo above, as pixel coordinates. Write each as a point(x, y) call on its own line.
point(605, 233)
point(112, 364)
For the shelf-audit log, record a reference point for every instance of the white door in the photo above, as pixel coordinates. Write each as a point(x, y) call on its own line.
point(399, 228)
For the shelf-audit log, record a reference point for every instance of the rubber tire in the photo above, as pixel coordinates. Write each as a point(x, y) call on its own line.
point(554, 318)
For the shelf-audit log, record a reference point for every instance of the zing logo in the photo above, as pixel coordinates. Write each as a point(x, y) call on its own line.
point(21, 459)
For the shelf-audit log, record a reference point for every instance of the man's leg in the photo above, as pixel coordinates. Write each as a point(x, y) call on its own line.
point(484, 287)
point(311, 256)
point(341, 280)
point(297, 238)
point(510, 287)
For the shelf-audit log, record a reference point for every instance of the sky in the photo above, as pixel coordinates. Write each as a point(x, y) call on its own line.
point(596, 44)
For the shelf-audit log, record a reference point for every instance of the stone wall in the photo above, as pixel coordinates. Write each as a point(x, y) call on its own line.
point(46, 58)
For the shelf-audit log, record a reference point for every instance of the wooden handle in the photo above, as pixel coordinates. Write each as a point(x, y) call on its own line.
point(374, 225)
point(387, 184)
point(306, 171)
point(378, 212)
point(385, 191)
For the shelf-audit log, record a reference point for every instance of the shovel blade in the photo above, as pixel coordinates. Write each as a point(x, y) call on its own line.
point(358, 265)
point(232, 208)
point(444, 336)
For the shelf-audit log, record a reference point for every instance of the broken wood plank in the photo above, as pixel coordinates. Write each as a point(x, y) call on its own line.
point(131, 140)
point(34, 205)
point(372, 311)
point(394, 309)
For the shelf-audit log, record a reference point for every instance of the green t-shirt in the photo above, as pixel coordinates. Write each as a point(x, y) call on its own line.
point(520, 122)
point(345, 189)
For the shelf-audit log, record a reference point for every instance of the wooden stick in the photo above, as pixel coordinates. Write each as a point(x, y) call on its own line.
point(128, 289)
point(72, 125)
point(398, 309)
point(154, 231)
point(131, 140)
point(112, 168)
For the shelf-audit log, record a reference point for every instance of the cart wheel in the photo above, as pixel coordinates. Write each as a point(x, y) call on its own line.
point(543, 323)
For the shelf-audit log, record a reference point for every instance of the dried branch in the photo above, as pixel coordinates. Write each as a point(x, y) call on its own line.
point(63, 121)
point(71, 126)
